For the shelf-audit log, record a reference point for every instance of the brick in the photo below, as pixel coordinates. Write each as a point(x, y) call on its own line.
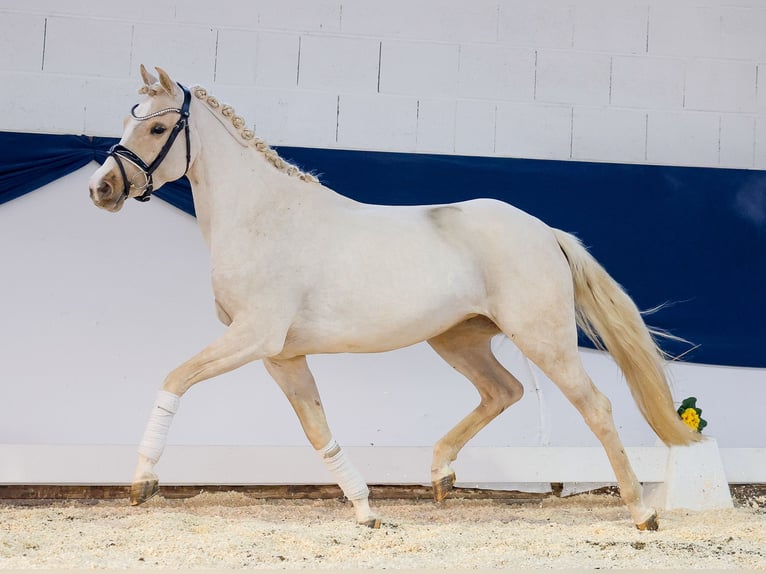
point(720, 85)
point(533, 131)
point(536, 24)
point(760, 87)
point(297, 118)
point(418, 68)
point(683, 29)
point(737, 143)
point(377, 122)
point(21, 42)
point(572, 77)
point(742, 32)
point(496, 72)
point(135, 11)
point(611, 27)
point(82, 46)
point(27, 107)
point(339, 64)
point(475, 127)
point(436, 126)
point(265, 59)
point(448, 21)
point(647, 82)
point(682, 138)
point(603, 134)
point(185, 51)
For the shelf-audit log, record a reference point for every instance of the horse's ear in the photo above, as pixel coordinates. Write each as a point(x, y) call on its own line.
point(167, 84)
point(148, 79)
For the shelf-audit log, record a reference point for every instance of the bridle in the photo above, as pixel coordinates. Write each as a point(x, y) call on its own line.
point(119, 152)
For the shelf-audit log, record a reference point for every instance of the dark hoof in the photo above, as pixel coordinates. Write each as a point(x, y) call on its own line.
point(650, 523)
point(140, 492)
point(371, 523)
point(443, 486)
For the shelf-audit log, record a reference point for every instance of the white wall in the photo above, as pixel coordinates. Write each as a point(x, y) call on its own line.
point(654, 81)
point(96, 308)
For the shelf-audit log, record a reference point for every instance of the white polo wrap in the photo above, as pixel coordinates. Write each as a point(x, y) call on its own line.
point(348, 477)
point(156, 433)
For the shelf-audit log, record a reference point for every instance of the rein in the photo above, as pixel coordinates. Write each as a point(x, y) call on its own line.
point(119, 152)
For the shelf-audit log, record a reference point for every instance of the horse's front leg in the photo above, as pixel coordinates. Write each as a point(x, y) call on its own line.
point(296, 381)
point(236, 347)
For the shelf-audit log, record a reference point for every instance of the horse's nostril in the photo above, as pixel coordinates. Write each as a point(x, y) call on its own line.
point(104, 188)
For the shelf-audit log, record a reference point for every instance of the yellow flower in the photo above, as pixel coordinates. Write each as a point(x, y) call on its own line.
point(691, 418)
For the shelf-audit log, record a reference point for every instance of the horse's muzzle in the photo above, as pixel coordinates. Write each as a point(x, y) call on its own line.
point(104, 193)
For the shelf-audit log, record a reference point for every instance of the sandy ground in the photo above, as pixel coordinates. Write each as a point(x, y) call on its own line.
point(235, 531)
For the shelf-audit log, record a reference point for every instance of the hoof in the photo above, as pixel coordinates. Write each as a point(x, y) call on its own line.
point(142, 491)
point(650, 523)
point(443, 486)
point(371, 523)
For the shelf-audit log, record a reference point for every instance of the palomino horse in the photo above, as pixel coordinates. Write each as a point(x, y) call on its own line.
point(298, 269)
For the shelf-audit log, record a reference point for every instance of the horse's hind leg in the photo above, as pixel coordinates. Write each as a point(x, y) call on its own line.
point(296, 381)
point(555, 353)
point(467, 348)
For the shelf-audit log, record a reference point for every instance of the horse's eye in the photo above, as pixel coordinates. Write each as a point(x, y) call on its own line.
point(158, 129)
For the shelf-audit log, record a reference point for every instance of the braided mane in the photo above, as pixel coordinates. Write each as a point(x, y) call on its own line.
point(249, 138)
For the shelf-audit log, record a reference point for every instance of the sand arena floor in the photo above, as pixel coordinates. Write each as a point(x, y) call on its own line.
point(236, 531)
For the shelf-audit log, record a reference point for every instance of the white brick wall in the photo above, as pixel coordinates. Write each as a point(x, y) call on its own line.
point(630, 81)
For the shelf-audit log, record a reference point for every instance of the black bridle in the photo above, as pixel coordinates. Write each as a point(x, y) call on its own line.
point(119, 152)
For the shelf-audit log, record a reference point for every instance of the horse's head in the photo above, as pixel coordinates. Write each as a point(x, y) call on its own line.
point(149, 153)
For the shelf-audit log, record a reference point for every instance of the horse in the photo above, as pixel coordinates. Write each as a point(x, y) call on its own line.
point(298, 269)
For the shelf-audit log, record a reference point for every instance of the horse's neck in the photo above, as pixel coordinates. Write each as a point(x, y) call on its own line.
point(233, 185)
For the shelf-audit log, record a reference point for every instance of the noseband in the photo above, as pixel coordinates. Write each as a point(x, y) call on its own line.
point(119, 152)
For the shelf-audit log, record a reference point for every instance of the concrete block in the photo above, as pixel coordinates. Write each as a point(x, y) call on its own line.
point(265, 59)
point(300, 15)
point(742, 32)
point(185, 51)
point(496, 72)
point(297, 118)
point(760, 88)
point(536, 24)
point(573, 77)
point(533, 131)
point(475, 127)
point(604, 134)
point(448, 21)
point(82, 46)
point(760, 143)
point(682, 138)
point(107, 103)
point(380, 122)
point(619, 27)
point(647, 82)
point(720, 85)
point(737, 145)
point(694, 480)
point(419, 68)
point(436, 126)
point(277, 60)
point(684, 29)
point(27, 107)
point(136, 11)
point(339, 64)
point(243, 15)
point(22, 37)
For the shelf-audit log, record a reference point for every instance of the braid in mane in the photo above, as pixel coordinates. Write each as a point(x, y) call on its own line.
point(249, 137)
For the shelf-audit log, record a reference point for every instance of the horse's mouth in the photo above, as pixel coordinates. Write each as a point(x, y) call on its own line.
point(109, 204)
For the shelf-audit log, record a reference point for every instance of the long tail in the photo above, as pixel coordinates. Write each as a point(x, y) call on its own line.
point(611, 320)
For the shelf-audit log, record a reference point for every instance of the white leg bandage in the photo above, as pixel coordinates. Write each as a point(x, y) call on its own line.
point(348, 477)
point(157, 428)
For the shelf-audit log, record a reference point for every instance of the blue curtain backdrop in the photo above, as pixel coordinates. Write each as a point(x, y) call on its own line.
point(691, 238)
